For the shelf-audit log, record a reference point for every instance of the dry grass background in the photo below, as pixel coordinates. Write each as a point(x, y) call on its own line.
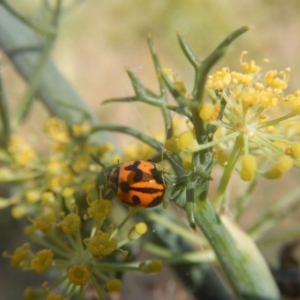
point(98, 39)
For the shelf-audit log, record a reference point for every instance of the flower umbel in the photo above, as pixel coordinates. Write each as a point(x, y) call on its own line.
point(253, 112)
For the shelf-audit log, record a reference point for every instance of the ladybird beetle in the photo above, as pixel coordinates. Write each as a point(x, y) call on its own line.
point(138, 183)
point(143, 183)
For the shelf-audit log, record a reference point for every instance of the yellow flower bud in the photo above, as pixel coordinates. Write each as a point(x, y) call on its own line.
point(55, 297)
point(137, 231)
point(273, 173)
point(34, 293)
point(187, 141)
point(152, 266)
point(67, 192)
point(32, 195)
point(209, 112)
point(113, 285)
point(248, 167)
point(19, 211)
point(187, 162)
point(47, 197)
point(295, 150)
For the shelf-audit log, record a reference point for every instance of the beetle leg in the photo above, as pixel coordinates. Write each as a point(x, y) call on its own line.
point(169, 188)
point(190, 206)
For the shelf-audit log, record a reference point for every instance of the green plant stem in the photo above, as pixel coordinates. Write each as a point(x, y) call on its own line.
point(169, 257)
point(4, 117)
point(243, 273)
point(132, 212)
point(243, 200)
point(280, 237)
point(42, 30)
point(99, 292)
point(28, 97)
point(218, 200)
point(15, 36)
point(179, 229)
point(131, 131)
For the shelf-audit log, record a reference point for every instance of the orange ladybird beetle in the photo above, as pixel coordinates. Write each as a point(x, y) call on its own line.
point(143, 183)
point(138, 183)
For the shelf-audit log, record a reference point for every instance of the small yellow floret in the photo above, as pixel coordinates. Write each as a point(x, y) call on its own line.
point(295, 150)
point(187, 162)
point(220, 80)
point(79, 275)
point(19, 211)
point(68, 192)
point(113, 285)
point(137, 231)
point(273, 173)
point(248, 97)
point(209, 112)
point(99, 209)
point(294, 100)
point(42, 261)
point(71, 223)
point(171, 144)
point(187, 141)
point(272, 79)
point(152, 266)
point(44, 221)
point(249, 67)
point(47, 197)
point(101, 244)
point(33, 294)
point(248, 167)
point(55, 166)
point(22, 152)
point(32, 195)
point(240, 78)
point(267, 98)
point(57, 129)
point(19, 257)
point(55, 297)
point(81, 129)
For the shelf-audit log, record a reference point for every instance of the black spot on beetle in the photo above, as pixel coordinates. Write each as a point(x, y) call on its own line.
point(135, 200)
point(138, 174)
point(124, 186)
point(156, 201)
point(157, 175)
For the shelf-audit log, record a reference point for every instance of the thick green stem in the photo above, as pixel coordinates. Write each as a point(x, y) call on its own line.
point(247, 272)
point(28, 97)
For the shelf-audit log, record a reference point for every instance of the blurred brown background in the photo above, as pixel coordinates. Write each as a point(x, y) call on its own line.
point(97, 39)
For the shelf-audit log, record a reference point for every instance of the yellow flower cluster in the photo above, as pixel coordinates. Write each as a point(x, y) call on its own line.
point(64, 169)
point(78, 260)
point(22, 153)
point(257, 115)
point(58, 197)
